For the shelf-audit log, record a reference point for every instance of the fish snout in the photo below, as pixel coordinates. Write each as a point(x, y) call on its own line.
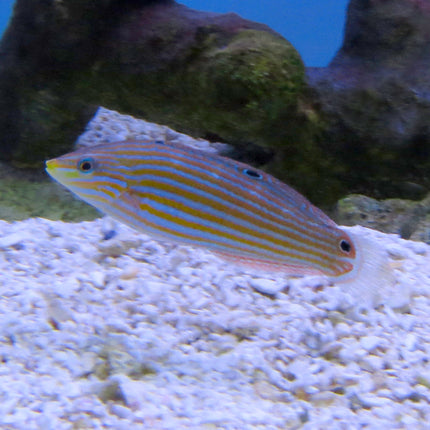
point(51, 164)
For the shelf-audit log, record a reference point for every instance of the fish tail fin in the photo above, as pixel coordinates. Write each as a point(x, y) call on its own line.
point(372, 281)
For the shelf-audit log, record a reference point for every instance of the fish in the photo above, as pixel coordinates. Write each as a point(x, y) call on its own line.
point(185, 195)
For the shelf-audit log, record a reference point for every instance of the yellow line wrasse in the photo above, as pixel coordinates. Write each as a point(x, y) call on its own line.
point(181, 194)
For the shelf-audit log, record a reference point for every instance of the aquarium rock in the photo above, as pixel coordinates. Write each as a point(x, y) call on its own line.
point(203, 73)
point(407, 218)
point(375, 95)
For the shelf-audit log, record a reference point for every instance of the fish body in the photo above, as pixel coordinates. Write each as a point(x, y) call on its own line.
point(188, 196)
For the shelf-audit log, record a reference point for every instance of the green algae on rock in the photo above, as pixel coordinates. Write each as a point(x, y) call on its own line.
point(208, 75)
point(257, 79)
point(24, 196)
point(202, 73)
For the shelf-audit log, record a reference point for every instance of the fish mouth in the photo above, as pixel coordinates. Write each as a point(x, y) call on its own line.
point(51, 164)
point(52, 168)
point(60, 171)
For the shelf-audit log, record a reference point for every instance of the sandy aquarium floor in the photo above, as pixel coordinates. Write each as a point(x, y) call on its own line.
point(104, 328)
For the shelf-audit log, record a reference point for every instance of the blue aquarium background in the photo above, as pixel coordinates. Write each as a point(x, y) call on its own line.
point(5, 12)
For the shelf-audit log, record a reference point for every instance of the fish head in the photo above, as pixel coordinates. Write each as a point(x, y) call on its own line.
point(93, 174)
point(371, 279)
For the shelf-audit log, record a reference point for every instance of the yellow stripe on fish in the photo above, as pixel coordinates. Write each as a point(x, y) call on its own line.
point(189, 196)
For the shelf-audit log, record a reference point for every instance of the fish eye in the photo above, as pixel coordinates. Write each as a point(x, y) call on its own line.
point(86, 165)
point(345, 246)
point(252, 174)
